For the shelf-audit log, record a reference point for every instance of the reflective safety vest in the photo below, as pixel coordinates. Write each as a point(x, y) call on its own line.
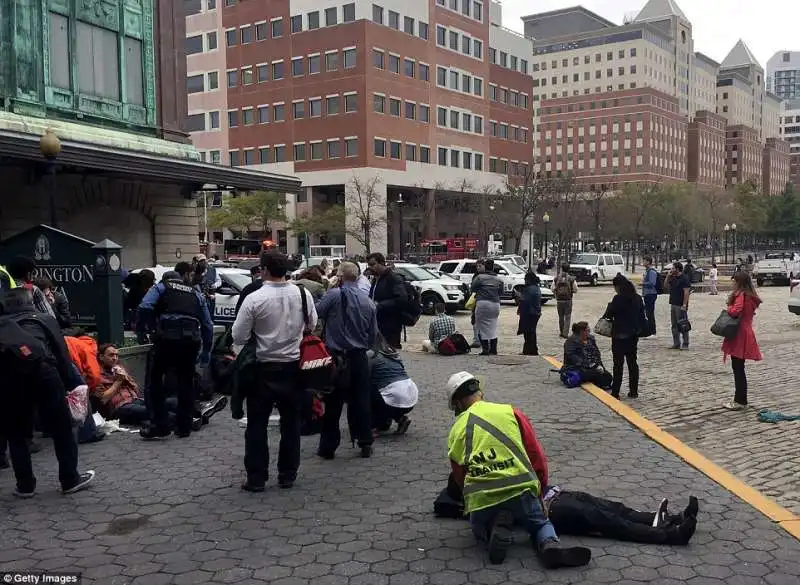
point(4, 275)
point(486, 440)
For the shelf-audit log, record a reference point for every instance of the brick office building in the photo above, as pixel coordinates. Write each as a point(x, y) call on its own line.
point(427, 97)
point(744, 155)
point(706, 150)
point(776, 166)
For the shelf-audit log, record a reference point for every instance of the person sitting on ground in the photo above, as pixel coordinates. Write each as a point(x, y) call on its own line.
point(500, 466)
point(581, 514)
point(83, 353)
point(581, 353)
point(442, 327)
point(57, 300)
point(119, 398)
point(394, 393)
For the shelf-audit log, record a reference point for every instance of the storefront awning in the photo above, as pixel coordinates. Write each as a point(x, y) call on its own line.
point(147, 166)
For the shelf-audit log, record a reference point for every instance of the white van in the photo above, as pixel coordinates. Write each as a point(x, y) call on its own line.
point(594, 268)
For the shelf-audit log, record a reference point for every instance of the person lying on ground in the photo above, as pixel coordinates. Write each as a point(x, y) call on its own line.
point(500, 467)
point(394, 393)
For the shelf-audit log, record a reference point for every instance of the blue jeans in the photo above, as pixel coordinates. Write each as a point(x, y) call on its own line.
point(527, 511)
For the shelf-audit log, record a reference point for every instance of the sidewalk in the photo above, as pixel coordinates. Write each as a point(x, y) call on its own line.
point(172, 512)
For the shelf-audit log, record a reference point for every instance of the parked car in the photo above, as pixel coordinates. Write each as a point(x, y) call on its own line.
point(794, 297)
point(596, 268)
point(227, 296)
point(515, 258)
point(513, 277)
point(776, 267)
point(434, 288)
point(698, 274)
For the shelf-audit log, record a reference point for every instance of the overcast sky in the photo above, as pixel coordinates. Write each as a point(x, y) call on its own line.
point(767, 26)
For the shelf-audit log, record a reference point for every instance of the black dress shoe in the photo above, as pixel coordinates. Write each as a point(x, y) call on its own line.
point(150, 432)
point(286, 483)
point(326, 454)
point(366, 451)
point(252, 487)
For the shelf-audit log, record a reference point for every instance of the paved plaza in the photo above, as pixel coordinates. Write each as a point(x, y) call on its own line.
point(683, 391)
point(172, 512)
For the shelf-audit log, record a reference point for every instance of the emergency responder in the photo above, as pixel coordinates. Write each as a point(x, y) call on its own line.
point(7, 281)
point(179, 317)
point(501, 467)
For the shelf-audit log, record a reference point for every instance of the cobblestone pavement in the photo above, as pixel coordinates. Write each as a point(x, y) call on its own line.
point(172, 512)
point(682, 391)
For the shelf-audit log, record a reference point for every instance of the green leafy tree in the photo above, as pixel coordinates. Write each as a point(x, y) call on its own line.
point(330, 222)
point(243, 212)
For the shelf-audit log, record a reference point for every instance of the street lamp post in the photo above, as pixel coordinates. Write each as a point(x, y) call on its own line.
point(530, 246)
point(400, 219)
point(725, 230)
point(50, 147)
point(546, 220)
point(489, 232)
point(733, 241)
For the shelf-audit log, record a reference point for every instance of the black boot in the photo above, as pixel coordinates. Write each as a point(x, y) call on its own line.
point(493, 346)
point(554, 556)
point(502, 537)
point(485, 347)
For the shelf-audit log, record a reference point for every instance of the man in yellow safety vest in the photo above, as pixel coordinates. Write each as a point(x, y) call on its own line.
point(501, 467)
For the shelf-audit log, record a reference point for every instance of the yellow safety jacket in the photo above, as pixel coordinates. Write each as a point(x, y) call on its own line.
point(4, 272)
point(486, 440)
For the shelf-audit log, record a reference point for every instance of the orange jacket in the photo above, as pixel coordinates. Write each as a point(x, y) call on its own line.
point(83, 353)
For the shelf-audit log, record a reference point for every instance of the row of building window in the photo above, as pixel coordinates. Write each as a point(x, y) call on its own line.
point(250, 33)
point(512, 97)
point(312, 108)
point(586, 91)
point(411, 111)
point(330, 17)
point(392, 20)
point(508, 132)
point(598, 74)
point(275, 71)
point(598, 58)
point(508, 61)
point(460, 42)
point(460, 81)
point(469, 8)
point(458, 119)
point(301, 151)
point(411, 68)
point(191, 7)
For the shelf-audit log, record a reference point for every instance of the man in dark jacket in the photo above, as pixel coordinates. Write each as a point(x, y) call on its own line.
point(581, 353)
point(389, 295)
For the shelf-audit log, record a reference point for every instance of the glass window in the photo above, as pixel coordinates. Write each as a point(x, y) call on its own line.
point(213, 80)
point(313, 20)
point(98, 61)
point(211, 4)
point(394, 20)
point(263, 155)
point(350, 102)
point(213, 120)
point(296, 22)
point(466, 160)
point(280, 154)
point(248, 156)
point(192, 45)
point(299, 152)
point(379, 147)
point(315, 107)
point(262, 73)
point(233, 118)
point(277, 28)
point(247, 117)
point(263, 114)
point(466, 44)
point(247, 76)
point(423, 30)
point(477, 49)
point(298, 110)
point(411, 152)
point(394, 64)
point(477, 87)
point(297, 66)
point(411, 110)
point(214, 156)
point(279, 112)
point(395, 149)
point(442, 156)
point(247, 34)
point(441, 36)
point(191, 7)
point(477, 11)
point(377, 58)
point(424, 113)
point(454, 80)
point(441, 116)
point(351, 147)
point(454, 40)
point(334, 149)
point(234, 158)
point(195, 122)
point(349, 58)
point(277, 70)
point(233, 78)
point(230, 37)
point(313, 64)
point(261, 31)
point(379, 104)
point(408, 25)
point(349, 12)
point(59, 51)
point(316, 151)
point(425, 154)
point(331, 16)
point(394, 107)
point(454, 118)
point(331, 61)
point(195, 83)
point(377, 14)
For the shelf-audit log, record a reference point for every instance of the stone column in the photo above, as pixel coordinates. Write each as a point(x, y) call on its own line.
point(378, 217)
point(431, 230)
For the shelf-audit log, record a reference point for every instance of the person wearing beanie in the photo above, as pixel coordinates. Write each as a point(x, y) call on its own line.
point(501, 468)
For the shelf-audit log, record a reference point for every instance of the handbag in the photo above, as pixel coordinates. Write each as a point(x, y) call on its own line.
point(684, 325)
point(471, 302)
point(725, 325)
point(317, 366)
point(603, 327)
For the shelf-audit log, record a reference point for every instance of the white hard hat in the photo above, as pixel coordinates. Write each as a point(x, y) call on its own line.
point(457, 379)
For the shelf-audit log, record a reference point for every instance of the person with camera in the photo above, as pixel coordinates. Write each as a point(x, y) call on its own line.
point(679, 287)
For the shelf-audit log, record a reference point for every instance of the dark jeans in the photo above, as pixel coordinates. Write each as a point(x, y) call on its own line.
point(624, 350)
point(357, 395)
point(676, 314)
point(392, 332)
point(527, 511)
point(180, 357)
point(739, 380)
point(43, 391)
point(597, 376)
point(650, 312)
point(383, 414)
point(564, 317)
point(135, 413)
point(582, 514)
point(531, 345)
point(277, 386)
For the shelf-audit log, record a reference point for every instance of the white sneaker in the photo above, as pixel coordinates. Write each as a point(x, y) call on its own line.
point(731, 405)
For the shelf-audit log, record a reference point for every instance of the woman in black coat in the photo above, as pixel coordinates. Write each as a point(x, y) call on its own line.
point(626, 313)
point(529, 311)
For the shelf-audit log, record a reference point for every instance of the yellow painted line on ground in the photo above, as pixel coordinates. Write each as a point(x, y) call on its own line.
point(759, 501)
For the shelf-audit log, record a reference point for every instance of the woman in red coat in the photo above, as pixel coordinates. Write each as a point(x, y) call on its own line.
point(742, 303)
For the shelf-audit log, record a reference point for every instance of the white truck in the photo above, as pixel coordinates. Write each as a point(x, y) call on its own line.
point(513, 277)
point(777, 267)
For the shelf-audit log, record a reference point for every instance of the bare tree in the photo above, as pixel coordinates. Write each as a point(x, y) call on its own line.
point(367, 210)
point(564, 196)
point(522, 199)
point(596, 198)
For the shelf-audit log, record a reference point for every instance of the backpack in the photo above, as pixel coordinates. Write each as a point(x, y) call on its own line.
point(413, 305)
point(458, 342)
point(570, 377)
point(20, 351)
point(563, 288)
point(317, 367)
point(659, 281)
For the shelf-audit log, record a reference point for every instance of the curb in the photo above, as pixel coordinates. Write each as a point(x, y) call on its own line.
point(783, 517)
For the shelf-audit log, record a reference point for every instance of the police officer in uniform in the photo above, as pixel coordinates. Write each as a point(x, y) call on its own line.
point(179, 317)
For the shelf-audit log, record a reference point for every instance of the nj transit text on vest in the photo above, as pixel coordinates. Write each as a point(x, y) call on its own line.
point(484, 463)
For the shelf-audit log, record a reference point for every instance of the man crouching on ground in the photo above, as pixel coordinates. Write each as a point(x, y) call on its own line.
point(501, 467)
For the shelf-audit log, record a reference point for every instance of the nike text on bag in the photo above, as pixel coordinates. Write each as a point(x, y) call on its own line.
point(317, 368)
point(413, 305)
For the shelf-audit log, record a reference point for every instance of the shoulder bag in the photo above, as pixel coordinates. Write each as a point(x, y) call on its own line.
point(725, 325)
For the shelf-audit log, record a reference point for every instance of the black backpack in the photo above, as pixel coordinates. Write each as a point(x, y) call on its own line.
point(21, 352)
point(413, 305)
